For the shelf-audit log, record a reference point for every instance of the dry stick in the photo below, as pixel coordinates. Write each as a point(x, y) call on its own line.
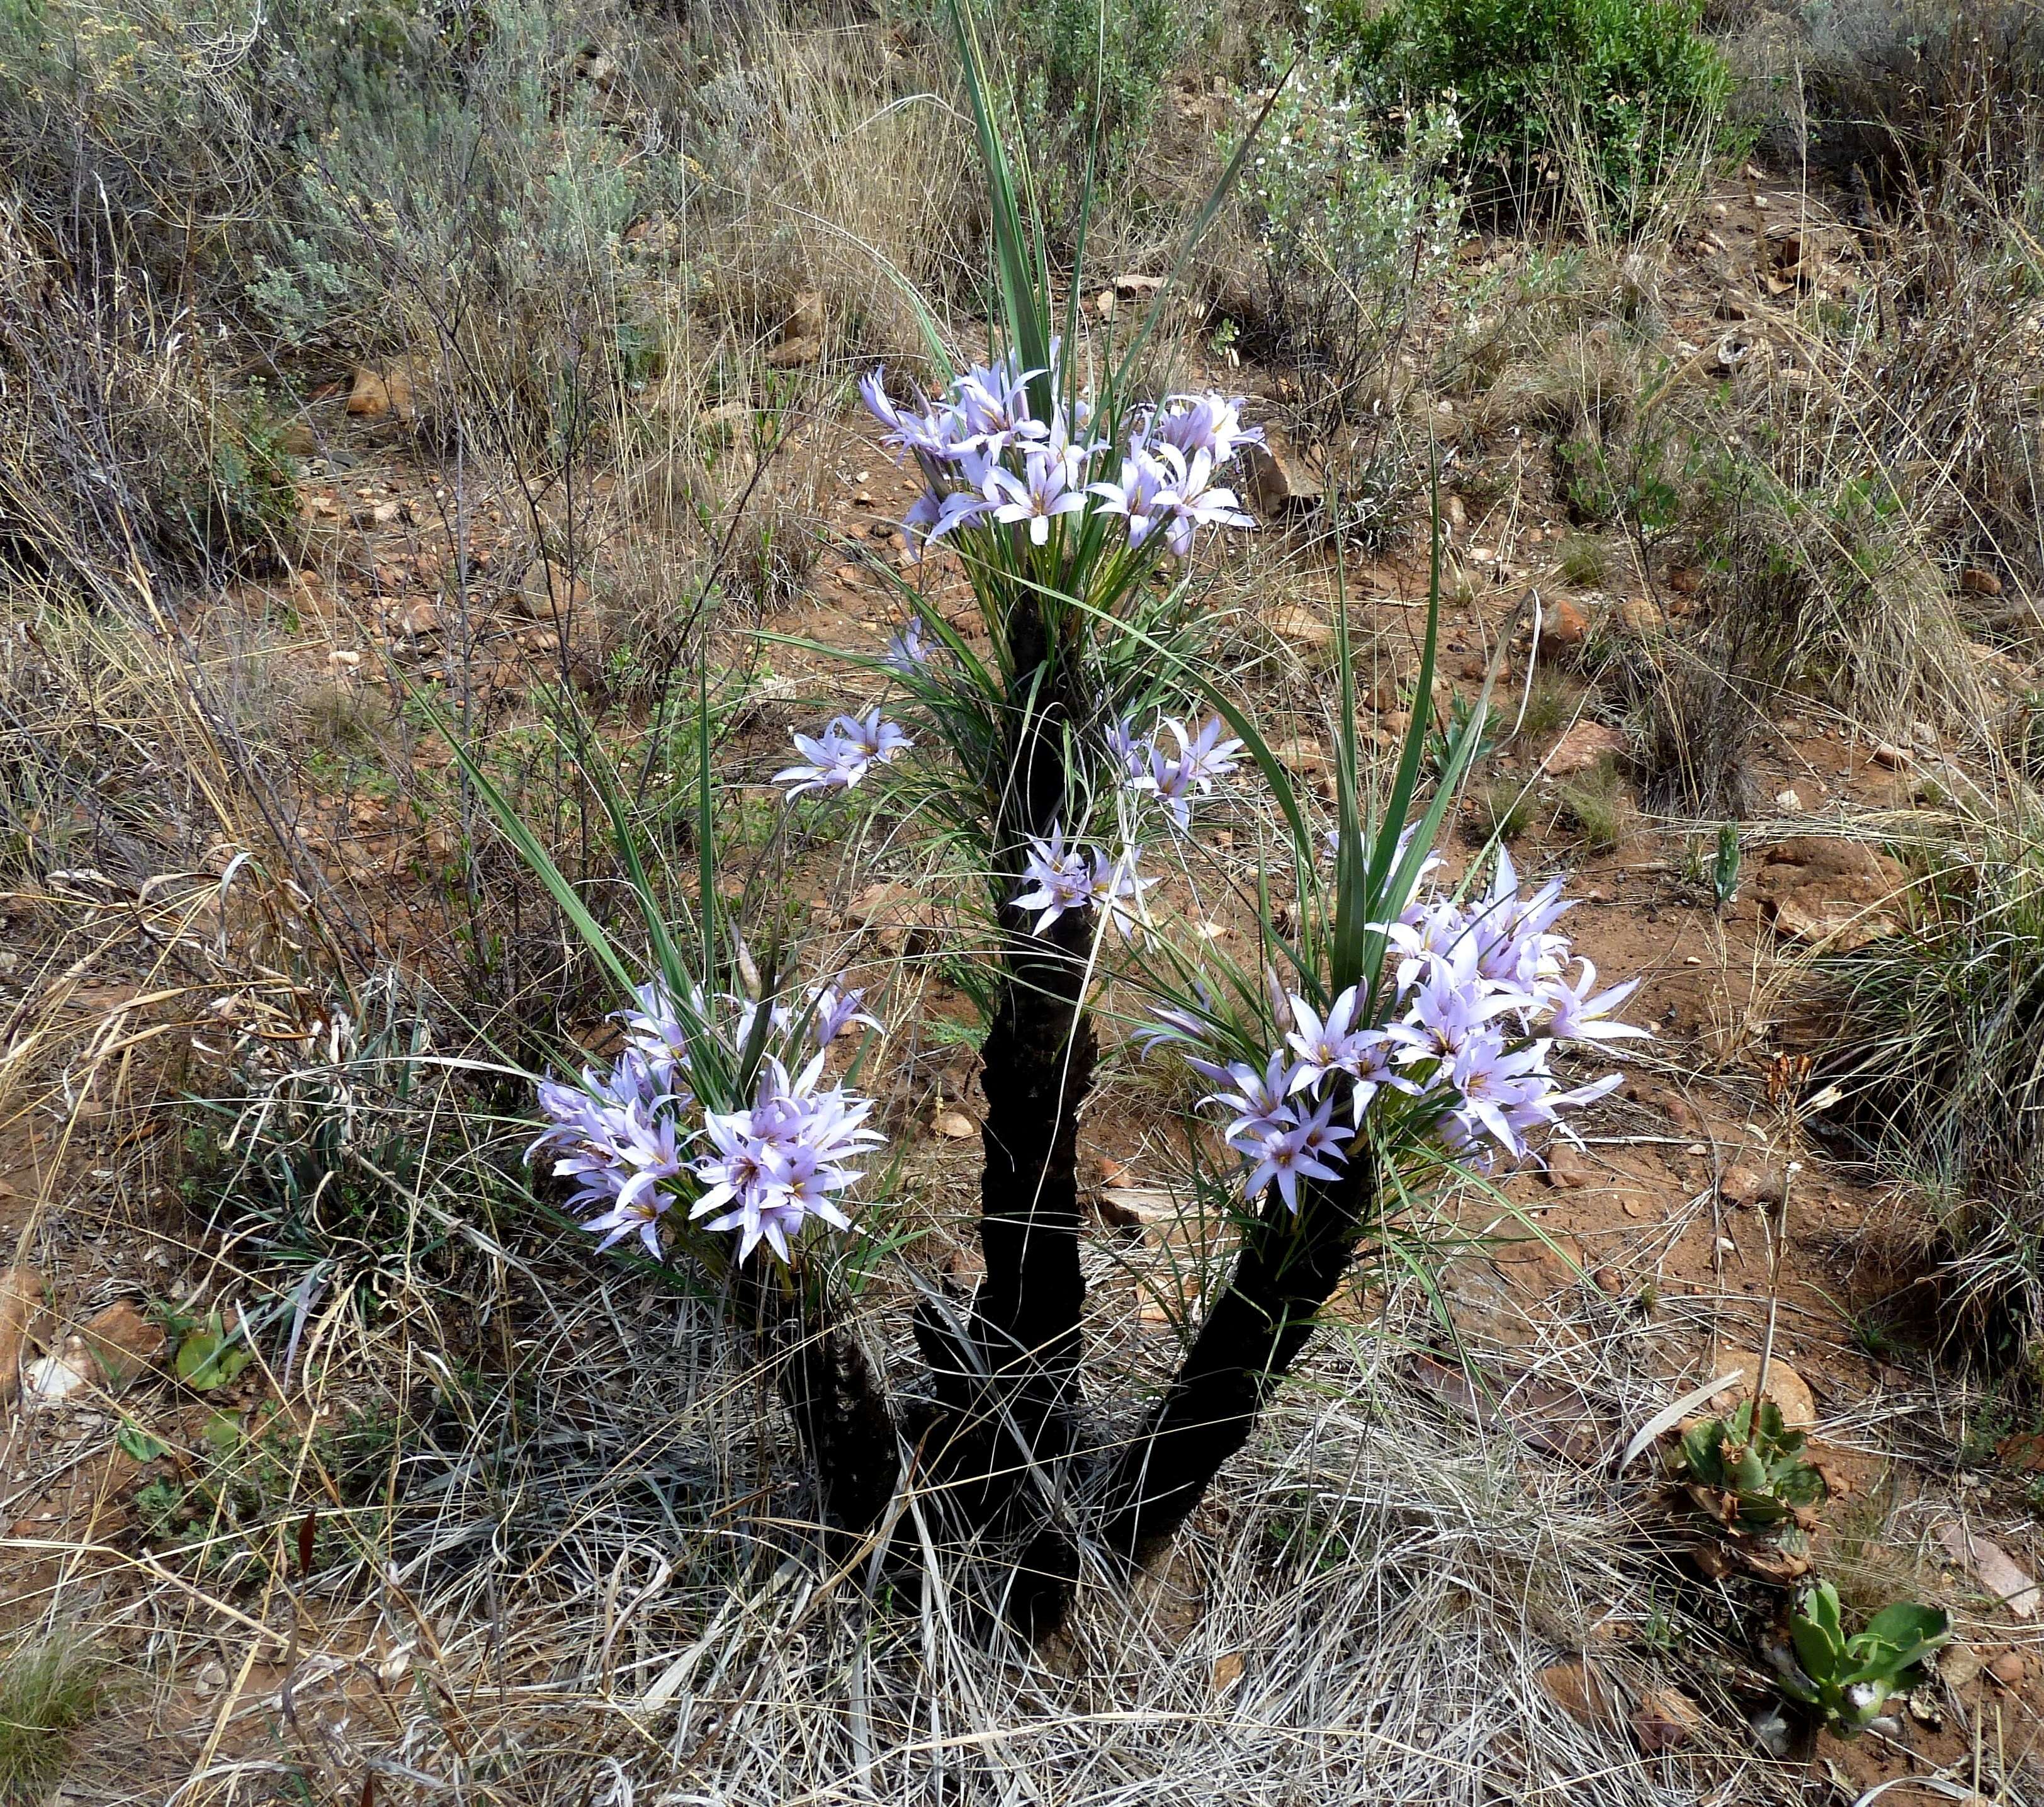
point(1776, 1245)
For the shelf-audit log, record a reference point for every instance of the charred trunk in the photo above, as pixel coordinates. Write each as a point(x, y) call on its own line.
point(1007, 1388)
point(1287, 1270)
point(838, 1405)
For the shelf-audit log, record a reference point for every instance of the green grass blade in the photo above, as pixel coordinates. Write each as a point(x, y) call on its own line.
point(514, 829)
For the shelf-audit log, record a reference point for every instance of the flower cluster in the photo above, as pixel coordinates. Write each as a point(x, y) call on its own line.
point(1174, 779)
point(636, 1142)
point(991, 464)
point(1057, 879)
point(843, 753)
point(1482, 994)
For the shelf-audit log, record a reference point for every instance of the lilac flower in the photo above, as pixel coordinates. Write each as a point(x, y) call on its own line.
point(1145, 480)
point(830, 762)
point(837, 1010)
point(878, 740)
point(1173, 1024)
point(935, 512)
point(1260, 1101)
point(1513, 942)
point(1425, 931)
point(1115, 889)
point(843, 753)
point(1450, 1004)
point(1575, 1015)
point(1045, 490)
point(1194, 501)
point(927, 435)
point(1168, 781)
point(1499, 1088)
point(992, 403)
point(1132, 754)
point(1290, 1155)
point(659, 1032)
point(773, 1167)
point(623, 1168)
point(1175, 780)
point(1207, 757)
point(1334, 1044)
point(1210, 423)
point(1055, 880)
point(906, 653)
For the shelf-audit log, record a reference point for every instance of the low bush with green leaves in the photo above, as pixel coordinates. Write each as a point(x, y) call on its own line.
point(1747, 1471)
point(1611, 99)
point(1086, 76)
point(1848, 1681)
point(1348, 226)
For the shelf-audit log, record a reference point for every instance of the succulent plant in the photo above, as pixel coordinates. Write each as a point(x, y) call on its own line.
point(1747, 1471)
point(1851, 1680)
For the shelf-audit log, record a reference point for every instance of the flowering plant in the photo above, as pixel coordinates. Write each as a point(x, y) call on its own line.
point(648, 1135)
point(1479, 997)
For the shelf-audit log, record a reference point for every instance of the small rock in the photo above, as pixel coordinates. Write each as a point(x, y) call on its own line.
point(1886, 753)
point(210, 1679)
point(421, 619)
point(1642, 619)
point(1745, 1184)
point(122, 1343)
point(1826, 888)
point(1998, 1572)
point(1227, 1670)
point(1667, 1719)
point(1785, 1387)
point(1132, 287)
point(1789, 801)
point(389, 391)
point(368, 396)
point(1608, 1281)
point(1976, 582)
point(1960, 1663)
point(1277, 477)
point(1136, 1207)
point(2009, 1668)
point(806, 317)
point(297, 438)
point(1578, 1690)
point(1586, 745)
point(1569, 1170)
point(956, 1126)
point(1566, 625)
point(545, 593)
point(1297, 625)
point(20, 1293)
point(1771, 1731)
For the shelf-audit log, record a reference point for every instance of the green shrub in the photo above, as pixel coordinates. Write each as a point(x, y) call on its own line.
point(1069, 60)
point(1617, 95)
point(1347, 224)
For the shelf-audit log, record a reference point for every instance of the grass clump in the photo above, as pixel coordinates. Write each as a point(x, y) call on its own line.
point(1609, 98)
point(1594, 807)
point(48, 1689)
point(1584, 562)
point(1939, 1034)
